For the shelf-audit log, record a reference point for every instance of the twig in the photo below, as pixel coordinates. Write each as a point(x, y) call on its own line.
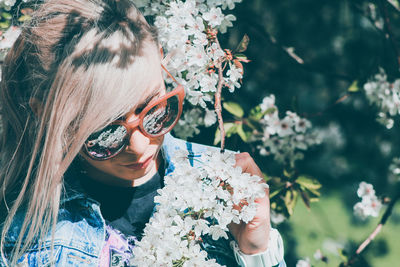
point(293, 55)
point(217, 104)
point(389, 32)
point(376, 231)
point(320, 113)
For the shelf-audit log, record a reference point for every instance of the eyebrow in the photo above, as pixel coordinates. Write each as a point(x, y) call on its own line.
point(148, 99)
point(151, 97)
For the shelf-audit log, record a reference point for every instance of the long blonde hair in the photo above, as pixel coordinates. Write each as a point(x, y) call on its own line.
point(88, 62)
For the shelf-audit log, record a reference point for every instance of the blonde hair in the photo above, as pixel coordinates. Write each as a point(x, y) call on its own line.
point(88, 62)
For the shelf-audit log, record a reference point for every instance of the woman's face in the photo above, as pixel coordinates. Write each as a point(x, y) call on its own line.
point(140, 159)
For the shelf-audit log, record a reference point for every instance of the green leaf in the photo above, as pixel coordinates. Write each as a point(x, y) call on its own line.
point(314, 192)
point(241, 56)
point(269, 111)
point(6, 15)
point(243, 44)
point(256, 113)
point(229, 127)
point(234, 108)
point(290, 200)
point(217, 137)
point(308, 182)
point(254, 125)
point(354, 87)
point(24, 18)
point(5, 24)
point(288, 174)
point(343, 255)
point(276, 191)
point(305, 197)
point(241, 133)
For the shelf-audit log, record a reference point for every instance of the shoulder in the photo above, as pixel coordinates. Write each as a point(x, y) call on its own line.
point(77, 241)
point(172, 144)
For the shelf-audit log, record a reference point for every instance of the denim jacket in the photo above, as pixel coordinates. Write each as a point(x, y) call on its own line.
point(80, 230)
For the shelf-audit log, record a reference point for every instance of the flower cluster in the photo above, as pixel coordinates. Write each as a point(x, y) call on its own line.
point(188, 125)
point(384, 95)
point(369, 205)
point(187, 33)
point(194, 202)
point(284, 138)
point(303, 263)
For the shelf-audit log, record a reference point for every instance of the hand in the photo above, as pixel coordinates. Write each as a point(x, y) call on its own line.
point(253, 237)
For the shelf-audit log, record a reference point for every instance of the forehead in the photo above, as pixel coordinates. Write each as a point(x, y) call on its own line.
point(152, 91)
point(153, 88)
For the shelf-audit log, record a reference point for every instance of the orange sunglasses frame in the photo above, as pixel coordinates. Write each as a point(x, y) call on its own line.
point(179, 91)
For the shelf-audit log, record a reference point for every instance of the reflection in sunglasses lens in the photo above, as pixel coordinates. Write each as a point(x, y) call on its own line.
point(109, 141)
point(159, 119)
point(106, 142)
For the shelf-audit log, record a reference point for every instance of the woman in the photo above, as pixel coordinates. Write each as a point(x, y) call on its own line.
point(85, 115)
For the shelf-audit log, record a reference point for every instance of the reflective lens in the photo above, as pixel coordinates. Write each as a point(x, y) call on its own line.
point(107, 142)
point(156, 121)
point(160, 118)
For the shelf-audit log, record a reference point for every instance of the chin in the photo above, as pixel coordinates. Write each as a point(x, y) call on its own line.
point(131, 174)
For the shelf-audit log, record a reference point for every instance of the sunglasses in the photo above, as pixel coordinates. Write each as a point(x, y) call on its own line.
point(156, 119)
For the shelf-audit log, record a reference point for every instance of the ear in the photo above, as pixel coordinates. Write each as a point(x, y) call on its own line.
point(36, 106)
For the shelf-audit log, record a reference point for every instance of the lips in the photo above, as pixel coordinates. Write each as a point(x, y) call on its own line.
point(139, 165)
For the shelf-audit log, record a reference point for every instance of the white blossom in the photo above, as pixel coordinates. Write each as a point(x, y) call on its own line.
point(277, 218)
point(196, 200)
point(210, 118)
point(303, 263)
point(394, 170)
point(187, 126)
point(214, 17)
point(8, 38)
point(386, 96)
point(230, 4)
point(283, 138)
point(183, 33)
point(318, 255)
point(369, 205)
point(365, 190)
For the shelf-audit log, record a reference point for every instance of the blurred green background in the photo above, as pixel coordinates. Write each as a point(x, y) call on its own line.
point(337, 43)
point(308, 53)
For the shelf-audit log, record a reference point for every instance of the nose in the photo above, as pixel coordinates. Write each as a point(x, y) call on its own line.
point(138, 143)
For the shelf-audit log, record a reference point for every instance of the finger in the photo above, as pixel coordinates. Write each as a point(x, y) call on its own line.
point(247, 163)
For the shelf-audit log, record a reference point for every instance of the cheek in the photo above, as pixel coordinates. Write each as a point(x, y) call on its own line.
point(157, 142)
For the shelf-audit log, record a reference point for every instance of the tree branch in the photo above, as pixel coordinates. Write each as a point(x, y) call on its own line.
point(376, 231)
point(217, 104)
